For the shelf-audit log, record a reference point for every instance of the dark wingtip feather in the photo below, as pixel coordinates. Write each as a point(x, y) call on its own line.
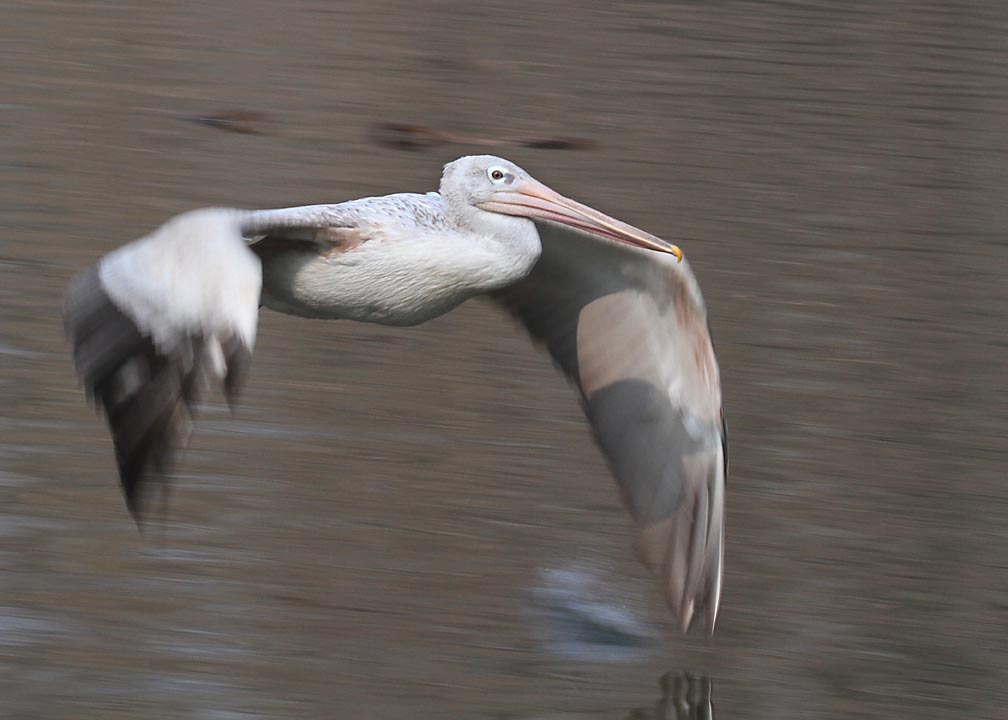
point(146, 392)
point(130, 483)
point(237, 359)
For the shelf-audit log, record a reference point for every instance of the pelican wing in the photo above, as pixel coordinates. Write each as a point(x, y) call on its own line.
point(152, 322)
point(158, 318)
point(629, 329)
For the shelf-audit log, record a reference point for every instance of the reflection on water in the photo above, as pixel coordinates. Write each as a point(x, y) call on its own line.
point(684, 697)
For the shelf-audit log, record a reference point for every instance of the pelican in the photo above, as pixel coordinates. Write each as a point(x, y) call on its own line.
point(158, 319)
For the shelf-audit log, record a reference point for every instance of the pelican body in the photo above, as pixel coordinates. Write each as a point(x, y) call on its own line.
point(618, 310)
point(403, 262)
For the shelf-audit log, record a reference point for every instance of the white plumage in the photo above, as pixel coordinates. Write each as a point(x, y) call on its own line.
point(619, 312)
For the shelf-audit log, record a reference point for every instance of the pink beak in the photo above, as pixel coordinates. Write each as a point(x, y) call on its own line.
point(530, 198)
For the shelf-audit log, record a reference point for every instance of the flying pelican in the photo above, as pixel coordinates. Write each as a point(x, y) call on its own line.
point(617, 308)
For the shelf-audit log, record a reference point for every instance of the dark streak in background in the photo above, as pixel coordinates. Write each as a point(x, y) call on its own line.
point(404, 136)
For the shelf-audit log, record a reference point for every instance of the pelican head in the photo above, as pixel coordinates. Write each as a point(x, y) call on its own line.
point(494, 185)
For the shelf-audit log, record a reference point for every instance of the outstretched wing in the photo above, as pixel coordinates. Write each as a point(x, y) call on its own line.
point(159, 317)
point(156, 319)
point(629, 329)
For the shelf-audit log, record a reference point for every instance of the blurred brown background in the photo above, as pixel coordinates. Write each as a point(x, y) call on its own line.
point(360, 539)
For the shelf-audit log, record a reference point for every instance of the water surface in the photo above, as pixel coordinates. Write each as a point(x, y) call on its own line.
point(364, 537)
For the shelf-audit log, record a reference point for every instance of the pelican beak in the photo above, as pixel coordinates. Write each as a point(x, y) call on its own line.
point(530, 198)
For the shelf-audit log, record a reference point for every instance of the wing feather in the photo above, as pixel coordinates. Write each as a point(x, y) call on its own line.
point(153, 323)
point(629, 329)
point(160, 318)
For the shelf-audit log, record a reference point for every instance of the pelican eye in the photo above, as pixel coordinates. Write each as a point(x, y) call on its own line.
point(496, 174)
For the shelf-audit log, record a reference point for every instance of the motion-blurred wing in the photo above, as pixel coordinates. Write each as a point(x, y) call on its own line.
point(156, 319)
point(629, 328)
point(160, 316)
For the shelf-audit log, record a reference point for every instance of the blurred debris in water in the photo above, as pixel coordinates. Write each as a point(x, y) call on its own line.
point(417, 137)
point(247, 122)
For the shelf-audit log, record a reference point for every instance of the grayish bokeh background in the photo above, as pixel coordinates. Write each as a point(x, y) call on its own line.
point(360, 539)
